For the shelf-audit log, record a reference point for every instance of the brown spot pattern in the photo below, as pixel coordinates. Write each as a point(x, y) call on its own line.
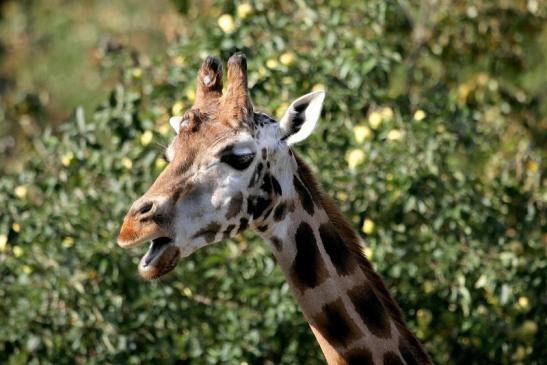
point(277, 243)
point(256, 175)
point(279, 212)
point(243, 224)
point(234, 206)
point(228, 231)
point(359, 356)
point(209, 231)
point(267, 184)
point(336, 249)
point(260, 206)
point(371, 310)
point(335, 324)
point(307, 270)
point(276, 186)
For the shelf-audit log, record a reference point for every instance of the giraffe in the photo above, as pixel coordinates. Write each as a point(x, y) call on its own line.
point(231, 168)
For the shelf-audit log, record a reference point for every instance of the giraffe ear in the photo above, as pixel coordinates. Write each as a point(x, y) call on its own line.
point(301, 117)
point(175, 123)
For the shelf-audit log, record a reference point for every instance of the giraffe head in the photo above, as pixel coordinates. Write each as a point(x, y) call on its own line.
point(228, 169)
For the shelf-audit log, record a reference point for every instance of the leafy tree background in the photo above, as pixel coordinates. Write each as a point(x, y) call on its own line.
point(432, 140)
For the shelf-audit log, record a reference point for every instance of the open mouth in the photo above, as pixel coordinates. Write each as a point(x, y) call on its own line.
point(162, 257)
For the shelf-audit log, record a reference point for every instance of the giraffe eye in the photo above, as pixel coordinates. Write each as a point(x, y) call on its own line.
point(237, 157)
point(238, 162)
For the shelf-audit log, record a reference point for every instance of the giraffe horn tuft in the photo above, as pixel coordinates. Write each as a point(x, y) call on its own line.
point(209, 81)
point(237, 97)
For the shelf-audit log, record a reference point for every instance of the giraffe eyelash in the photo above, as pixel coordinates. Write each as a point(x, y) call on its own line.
point(238, 162)
point(237, 157)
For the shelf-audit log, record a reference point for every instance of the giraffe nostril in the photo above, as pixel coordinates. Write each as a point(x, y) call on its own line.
point(145, 208)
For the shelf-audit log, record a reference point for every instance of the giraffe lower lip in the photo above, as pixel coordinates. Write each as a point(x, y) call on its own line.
point(156, 248)
point(162, 257)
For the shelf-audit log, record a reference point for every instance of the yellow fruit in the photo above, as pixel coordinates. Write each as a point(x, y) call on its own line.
point(524, 303)
point(271, 63)
point(419, 115)
point(244, 10)
point(395, 135)
point(368, 226)
point(164, 128)
point(226, 23)
point(27, 269)
point(375, 119)
point(137, 72)
point(424, 317)
point(428, 286)
point(68, 241)
point(463, 92)
point(318, 87)
point(177, 108)
point(3, 242)
point(21, 191)
point(520, 353)
point(180, 61)
point(16, 227)
point(127, 163)
point(532, 166)
point(287, 80)
point(146, 138)
point(281, 109)
point(262, 71)
point(66, 159)
point(387, 112)
point(18, 251)
point(191, 95)
point(361, 133)
point(482, 79)
point(287, 58)
point(160, 163)
point(354, 158)
point(529, 328)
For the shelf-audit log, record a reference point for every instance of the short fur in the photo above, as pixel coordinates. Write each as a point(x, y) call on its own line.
point(353, 244)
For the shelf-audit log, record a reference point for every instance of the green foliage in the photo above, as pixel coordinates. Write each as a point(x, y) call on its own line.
point(431, 140)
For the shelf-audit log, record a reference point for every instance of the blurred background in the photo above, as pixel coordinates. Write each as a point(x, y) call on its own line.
point(432, 140)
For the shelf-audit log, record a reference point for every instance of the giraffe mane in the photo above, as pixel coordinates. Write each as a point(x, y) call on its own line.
point(353, 243)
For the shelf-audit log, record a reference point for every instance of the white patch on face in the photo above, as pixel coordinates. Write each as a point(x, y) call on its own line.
point(170, 152)
point(192, 215)
point(207, 204)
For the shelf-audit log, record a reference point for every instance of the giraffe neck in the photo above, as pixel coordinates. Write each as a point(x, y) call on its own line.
point(350, 311)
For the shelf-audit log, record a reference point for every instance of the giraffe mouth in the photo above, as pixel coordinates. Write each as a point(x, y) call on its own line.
point(162, 257)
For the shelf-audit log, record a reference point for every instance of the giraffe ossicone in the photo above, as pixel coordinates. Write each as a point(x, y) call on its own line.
point(231, 168)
